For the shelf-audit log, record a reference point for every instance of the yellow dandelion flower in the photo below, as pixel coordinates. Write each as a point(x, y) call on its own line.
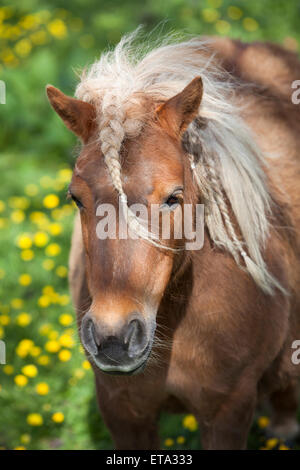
point(65, 319)
point(42, 388)
point(24, 241)
point(169, 442)
point(4, 320)
point(30, 370)
point(44, 329)
point(37, 217)
point(64, 355)
point(271, 443)
point(263, 422)
point(57, 28)
point(250, 24)
point(25, 279)
point(43, 360)
point(61, 271)
point(24, 319)
point(55, 228)
point(64, 300)
point(34, 419)
point(51, 201)
point(283, 447)
point(53, 249)
point(44, 301)
point(65, 174)
point(17, 303)
point(180, 440)
point(31, 189)
point(66, 341)
point(86, 365)
point(48, 264)
point(53, 335)
point(40, 239)
point(35, 351)
point(189, 422)
point(23, 47)
point(210, 15)
point(234, 13)
point(2, 206)
point(39, 37)
point(79, 373)
point(20, 448)
point(58, 417)
point(27, 255)
point(8, 369)
point(52, 346)
point(20, 380)
point(25, 438)
point(222, 26)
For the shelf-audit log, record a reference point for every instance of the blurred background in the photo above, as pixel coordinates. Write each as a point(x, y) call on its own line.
point(46, 386)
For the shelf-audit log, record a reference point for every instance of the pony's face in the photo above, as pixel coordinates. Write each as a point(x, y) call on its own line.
point(126, 274)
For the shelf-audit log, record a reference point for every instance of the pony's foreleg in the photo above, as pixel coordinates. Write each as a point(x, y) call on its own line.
point(130, 428)
point(229, 427)
point(284, 422)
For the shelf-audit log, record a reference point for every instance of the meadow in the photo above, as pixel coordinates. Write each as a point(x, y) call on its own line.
point(47, 398)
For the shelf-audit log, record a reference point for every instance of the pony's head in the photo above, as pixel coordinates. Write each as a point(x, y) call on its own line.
point(132, 157)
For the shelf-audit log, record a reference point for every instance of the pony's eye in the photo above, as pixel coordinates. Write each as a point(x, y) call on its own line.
point(77, 202)
point(172, 201)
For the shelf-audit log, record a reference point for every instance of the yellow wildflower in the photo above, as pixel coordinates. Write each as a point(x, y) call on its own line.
point(271, 443)
point(55, 228)
point(20, 448)
point(180, 440)
point(35, 351)
point(53, 249)
point(250, 24)
point(189, 422)
point(86, 365)
point(27, 255)
point(25, 279)
point(30, 370)
point(67, 341)
point(25, 438)
point(24, 319)
point(61, 271)
point(42, 388)
point(51, 201)
point(169, 442)
point(43, 360)
point(64, 355)
point(8, 369)
point(263, 422)
point(65, 319)
point(4, 320)
point(40, 239)
point(24, 241)
point(48, 264)
point(234, 13)
point(58, 417)
point(21, 380)
point(17, 303)
point(35, 419)
point(52, 346)
point(57, 28)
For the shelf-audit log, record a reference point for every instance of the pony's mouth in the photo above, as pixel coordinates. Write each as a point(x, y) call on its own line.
point(123, 370)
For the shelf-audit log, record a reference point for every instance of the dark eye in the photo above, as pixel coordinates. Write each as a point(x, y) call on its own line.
point(77, 202)
point(172, 201)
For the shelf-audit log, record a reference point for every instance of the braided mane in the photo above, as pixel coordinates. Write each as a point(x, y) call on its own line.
point(227, 164)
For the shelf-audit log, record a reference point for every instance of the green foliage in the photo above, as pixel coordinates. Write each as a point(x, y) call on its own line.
point(44, 42)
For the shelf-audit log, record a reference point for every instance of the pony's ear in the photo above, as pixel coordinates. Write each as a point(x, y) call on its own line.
point(77, 115)
point(178, 112)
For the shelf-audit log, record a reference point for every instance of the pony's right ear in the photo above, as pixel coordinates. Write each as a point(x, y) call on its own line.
point(77, 115)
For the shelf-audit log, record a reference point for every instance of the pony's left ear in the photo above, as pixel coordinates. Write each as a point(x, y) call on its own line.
point(77, 115)
point(178, 112)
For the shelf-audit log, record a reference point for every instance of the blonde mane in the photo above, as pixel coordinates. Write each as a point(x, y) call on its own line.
point(227, 164)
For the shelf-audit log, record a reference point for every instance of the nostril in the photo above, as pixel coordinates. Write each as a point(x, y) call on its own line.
point(88, 335)
point(135, 337)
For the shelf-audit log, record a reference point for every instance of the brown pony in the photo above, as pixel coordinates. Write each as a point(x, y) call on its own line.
point(208, 331)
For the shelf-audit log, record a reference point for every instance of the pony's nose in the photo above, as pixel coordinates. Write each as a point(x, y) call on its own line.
point(117, 349)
